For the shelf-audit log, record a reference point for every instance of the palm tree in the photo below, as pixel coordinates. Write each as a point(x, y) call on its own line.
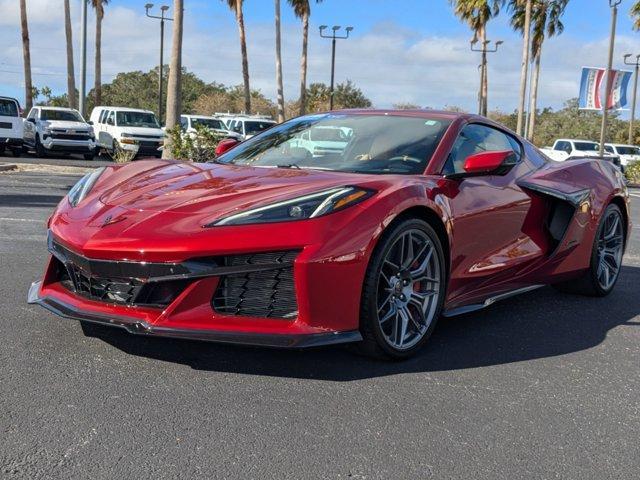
point(26, 56)
point(302, 9)
point(526, 33)
point(545, 22)
point(280, 100)
point(174, 85)
point(98, 5)
point(477, 13)
point(635, 15)
point(71, 80)
point(236, 6)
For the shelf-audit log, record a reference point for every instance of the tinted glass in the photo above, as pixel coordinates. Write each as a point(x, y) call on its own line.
point(377, 144)
point(474, 139)
point(253, 127)
point(63, 115)
point(136, 119)
point(208, 122)
point(586, 146)
point(628, 150)
point(8, 108)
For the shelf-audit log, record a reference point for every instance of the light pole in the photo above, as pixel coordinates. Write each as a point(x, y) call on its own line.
point(484, 49)
point(613, 4)
point(636, 64)
point(83, 59)
point(162, 18)
point(334, 36)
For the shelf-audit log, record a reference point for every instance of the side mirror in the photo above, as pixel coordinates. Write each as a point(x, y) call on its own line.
point(226, 145)
point(487, 163)
point(32, 120)
point(90, 122)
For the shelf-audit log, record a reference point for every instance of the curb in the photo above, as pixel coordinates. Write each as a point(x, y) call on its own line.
point(7, 167)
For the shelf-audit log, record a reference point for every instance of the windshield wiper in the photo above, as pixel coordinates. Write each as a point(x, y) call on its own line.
point(290, 165)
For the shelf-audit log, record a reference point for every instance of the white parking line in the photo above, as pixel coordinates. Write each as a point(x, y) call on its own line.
point(635, 195)
point(33, 220)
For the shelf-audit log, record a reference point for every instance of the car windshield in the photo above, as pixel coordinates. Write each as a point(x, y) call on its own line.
point(8, 108)
point(378, 144)
point(136, 119)
point(253, 127)
point(586, 146)
point(208, 122)
point(64, 115)
point(628, 150)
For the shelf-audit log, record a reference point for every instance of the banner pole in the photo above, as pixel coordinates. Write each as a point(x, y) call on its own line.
point(612, 39)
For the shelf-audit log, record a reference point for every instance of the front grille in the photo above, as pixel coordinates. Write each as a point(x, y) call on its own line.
point(123, 291)
point(155, 137)
point(70, 136)
point(147, 143)
point(6, 125)
point(264, 293)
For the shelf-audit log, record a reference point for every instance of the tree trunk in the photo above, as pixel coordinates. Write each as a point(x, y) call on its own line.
point(524, 66)
point(303, 64)
point(26, 55)
point(98, 68)
point(279, 85)
point(174, 89)
point(245, 58)
point(71, 78)
point(484, 82)
point(534, 97)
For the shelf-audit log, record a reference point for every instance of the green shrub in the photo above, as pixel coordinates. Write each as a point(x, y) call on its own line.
point(195, 147)
point(120, 155)
point(632, 172)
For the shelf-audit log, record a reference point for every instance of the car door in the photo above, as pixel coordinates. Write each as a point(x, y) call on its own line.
point(488, 213)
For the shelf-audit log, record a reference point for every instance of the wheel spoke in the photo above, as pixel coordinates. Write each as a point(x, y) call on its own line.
point(408, 255)
point(404, 323)
point(421, 300)
point(386, 300)
point(392, 311)
point(422, 268)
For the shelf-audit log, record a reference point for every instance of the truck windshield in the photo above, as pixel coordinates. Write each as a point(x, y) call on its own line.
point(8, 108)
point(136, 119)
point(62, 115)
point(253, 127)
point(209, 123)
point(628, 150)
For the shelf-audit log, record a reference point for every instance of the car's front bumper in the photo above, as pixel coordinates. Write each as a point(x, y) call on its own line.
point(138, 326)
point(71, 146)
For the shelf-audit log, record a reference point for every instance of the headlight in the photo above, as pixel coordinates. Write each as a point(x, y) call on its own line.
point(83, 187)
point(301, 208)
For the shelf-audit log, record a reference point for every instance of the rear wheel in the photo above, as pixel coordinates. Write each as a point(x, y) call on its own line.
point(606, 258)
point(90, 156)
point(16, 152)
point(403, 291)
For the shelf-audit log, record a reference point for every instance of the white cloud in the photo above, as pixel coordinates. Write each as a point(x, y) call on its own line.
point(390, 63)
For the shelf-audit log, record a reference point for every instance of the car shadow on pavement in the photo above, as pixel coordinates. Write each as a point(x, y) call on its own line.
point(539, 324)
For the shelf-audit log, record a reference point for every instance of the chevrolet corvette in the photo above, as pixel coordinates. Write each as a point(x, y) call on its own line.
point(410, 216)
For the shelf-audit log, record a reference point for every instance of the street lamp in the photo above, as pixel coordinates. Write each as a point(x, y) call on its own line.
point(636, 64)
point(334, 36)
point(162, 18)
point(484, 49)
point(613, 4)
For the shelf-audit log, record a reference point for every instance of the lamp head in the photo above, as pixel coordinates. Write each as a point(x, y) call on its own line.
point(335, 28)
point(349, 29)
point(627, 55)
point(499, 42)
point(148, 6)
point(164, 8)
point(323, 27)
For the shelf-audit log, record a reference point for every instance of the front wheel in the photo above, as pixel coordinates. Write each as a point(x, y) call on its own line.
point(403, 291)
point(40, 150)
point(606, 258)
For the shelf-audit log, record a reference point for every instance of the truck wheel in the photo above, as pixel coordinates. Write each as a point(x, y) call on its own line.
point(40, 150)
point(16, 152)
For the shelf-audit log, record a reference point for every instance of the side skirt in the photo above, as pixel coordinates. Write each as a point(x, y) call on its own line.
point(489, 301)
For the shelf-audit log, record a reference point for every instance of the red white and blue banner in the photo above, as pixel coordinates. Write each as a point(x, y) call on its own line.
point(593, 84)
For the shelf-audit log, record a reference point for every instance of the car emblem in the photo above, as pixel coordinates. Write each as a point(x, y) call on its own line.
point(109, 220)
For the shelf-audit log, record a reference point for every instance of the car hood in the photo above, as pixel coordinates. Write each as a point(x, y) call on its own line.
point(213, 189)
point(143, 131)
point(67, 124)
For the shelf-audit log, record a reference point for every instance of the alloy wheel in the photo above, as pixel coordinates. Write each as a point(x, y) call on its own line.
point(408, 289)
point(609, 249)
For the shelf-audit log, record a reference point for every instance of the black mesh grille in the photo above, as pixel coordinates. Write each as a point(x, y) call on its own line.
point(265, 293)
point(70, 136)
point(104, 289)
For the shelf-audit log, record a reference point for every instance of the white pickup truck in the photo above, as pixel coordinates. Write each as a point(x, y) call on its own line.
point(629, 154)
point(566, 148)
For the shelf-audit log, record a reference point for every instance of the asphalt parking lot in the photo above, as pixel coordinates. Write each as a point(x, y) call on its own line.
point(544, 385)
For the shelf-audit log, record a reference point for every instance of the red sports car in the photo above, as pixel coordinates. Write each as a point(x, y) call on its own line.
point(351, 226)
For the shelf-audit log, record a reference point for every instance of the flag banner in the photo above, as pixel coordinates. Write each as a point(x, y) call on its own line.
point(593, 84)
point(590, 86)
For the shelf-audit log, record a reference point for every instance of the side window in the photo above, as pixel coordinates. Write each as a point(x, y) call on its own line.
point(476, 138)
point(184, 123)
point(237, 127)
point(569, 147)
point(111, 119)
point(609, 148)
point(32, 113)
point(560, 146)
point(103, 116)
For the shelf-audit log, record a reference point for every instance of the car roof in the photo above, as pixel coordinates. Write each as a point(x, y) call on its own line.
point(62, 109)
point(575, 140)
point(122, 109)
point(619, 145)
point(208, 117)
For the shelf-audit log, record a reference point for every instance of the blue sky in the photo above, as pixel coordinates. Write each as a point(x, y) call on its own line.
point(401, 51)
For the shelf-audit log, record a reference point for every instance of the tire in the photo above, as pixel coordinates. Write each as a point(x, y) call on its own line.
point(606, 254)
point(392, 324)
point(89, 156)
point(40, 150)
point(16, 152)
